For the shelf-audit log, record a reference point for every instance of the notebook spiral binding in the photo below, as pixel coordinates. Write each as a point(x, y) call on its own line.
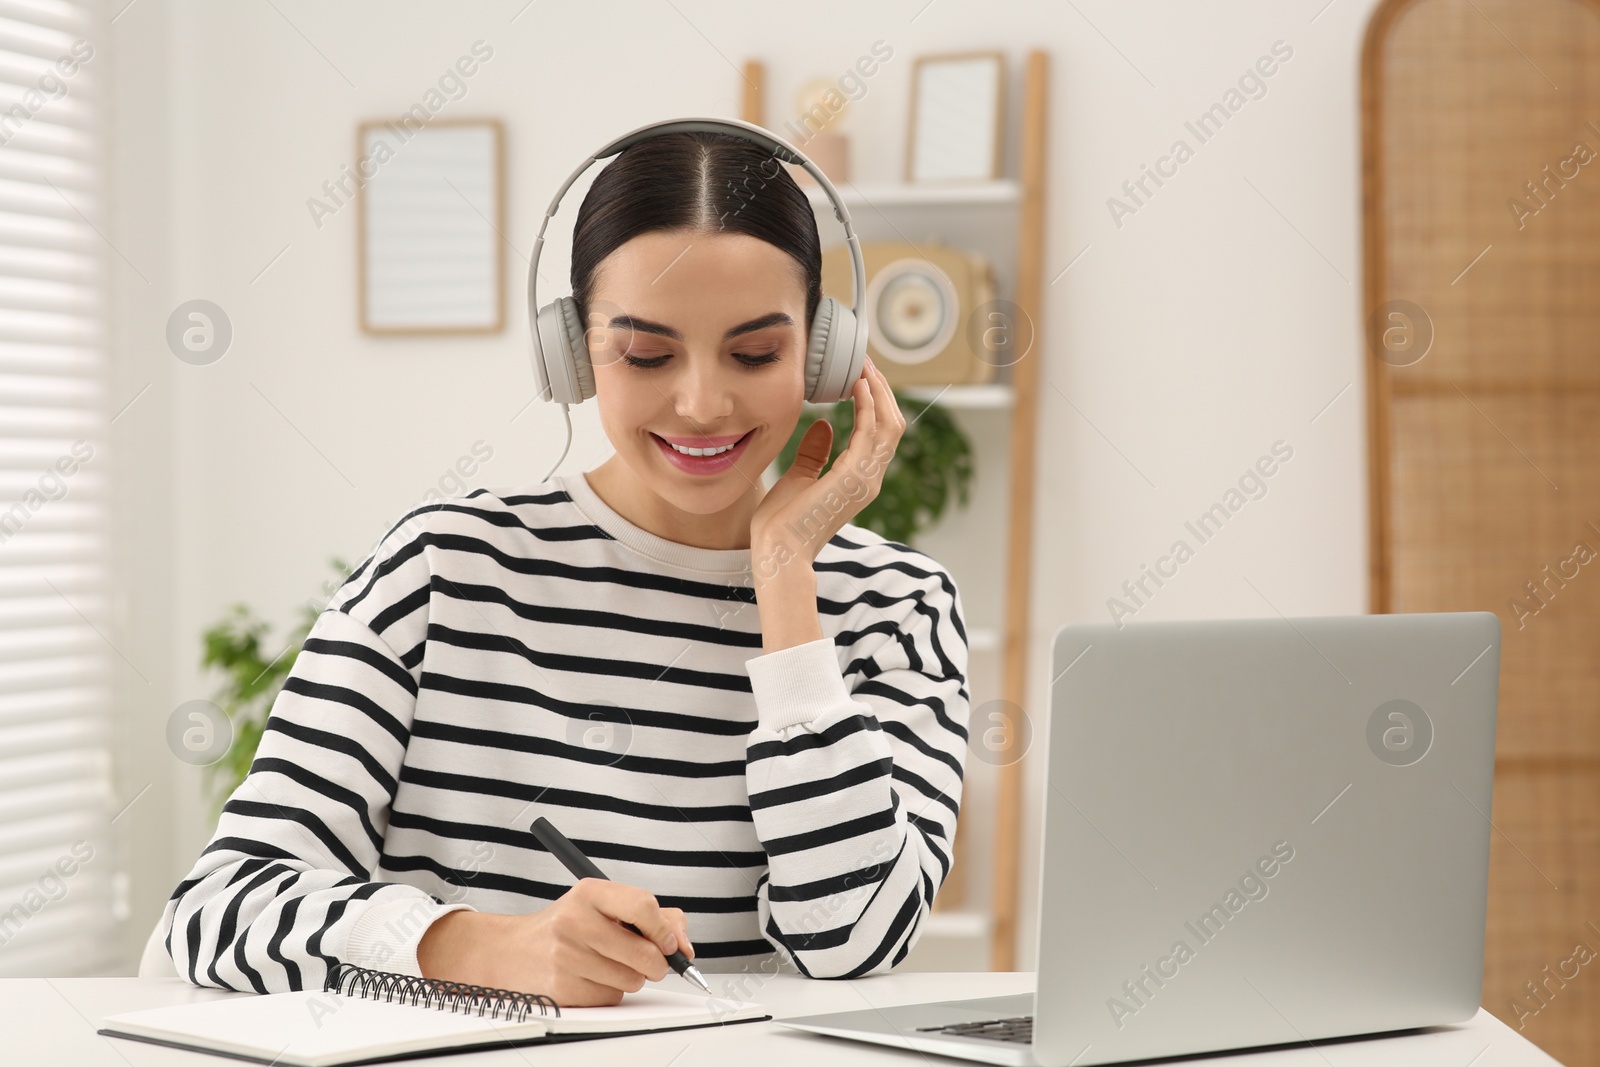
point(352, 981)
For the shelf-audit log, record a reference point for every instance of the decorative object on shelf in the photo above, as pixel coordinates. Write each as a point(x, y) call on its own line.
point(233, 646)
point(957, 115)
point(431, 210)
point(820, 108)
point(933, 457)
point(920, 304)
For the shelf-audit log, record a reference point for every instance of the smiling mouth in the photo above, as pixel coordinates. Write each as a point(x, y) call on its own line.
point(723, 449)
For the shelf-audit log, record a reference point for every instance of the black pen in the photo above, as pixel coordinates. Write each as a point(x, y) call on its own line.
point(582, 866)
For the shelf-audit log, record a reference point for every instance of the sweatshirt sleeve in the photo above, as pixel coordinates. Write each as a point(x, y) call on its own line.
point(284, 889)
point(854, 792)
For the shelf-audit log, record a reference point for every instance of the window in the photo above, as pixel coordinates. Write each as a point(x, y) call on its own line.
point(56, 802)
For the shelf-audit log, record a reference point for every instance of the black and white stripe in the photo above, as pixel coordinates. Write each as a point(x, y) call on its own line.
point(510, 654)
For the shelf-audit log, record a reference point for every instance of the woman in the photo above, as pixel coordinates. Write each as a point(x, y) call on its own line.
point(751, 713)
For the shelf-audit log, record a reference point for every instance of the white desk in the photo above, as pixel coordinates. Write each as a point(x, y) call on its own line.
point(52, 1022)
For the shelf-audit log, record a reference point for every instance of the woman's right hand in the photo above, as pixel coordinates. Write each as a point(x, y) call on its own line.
point(575, 951)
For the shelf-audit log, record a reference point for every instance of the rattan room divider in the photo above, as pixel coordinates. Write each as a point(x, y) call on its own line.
point(1481, 174)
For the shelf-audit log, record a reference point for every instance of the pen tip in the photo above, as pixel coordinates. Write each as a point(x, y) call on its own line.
point(693, 974)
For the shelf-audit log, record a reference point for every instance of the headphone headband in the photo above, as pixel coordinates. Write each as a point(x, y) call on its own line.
point(751, 131)
point(780, 149)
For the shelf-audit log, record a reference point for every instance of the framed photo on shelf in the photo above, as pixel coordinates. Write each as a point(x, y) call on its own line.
point(430, 212)
point(957, 117)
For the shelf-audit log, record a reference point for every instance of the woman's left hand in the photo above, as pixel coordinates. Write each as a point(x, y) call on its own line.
point(802, 511)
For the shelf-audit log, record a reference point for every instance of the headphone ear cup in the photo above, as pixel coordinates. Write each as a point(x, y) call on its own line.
point(832, 366)
point(578, 345)
point(566, 371)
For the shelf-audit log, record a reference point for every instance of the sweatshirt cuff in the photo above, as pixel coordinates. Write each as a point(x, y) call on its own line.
point(386, 935)
point(796, 685)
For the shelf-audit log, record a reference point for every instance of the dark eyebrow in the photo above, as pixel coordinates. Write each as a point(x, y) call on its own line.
point(772, 318)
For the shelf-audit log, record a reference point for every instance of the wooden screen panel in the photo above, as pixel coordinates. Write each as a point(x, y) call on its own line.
point(1473, 523)
point(1467, 123)
point(1484, 453)
point(1542, 894)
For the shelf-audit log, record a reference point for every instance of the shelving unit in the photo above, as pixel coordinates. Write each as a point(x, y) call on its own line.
point(1003, 220)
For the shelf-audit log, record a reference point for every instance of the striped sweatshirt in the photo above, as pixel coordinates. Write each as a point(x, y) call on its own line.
point(507, 654)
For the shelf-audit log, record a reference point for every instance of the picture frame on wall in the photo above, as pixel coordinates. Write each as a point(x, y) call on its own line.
point(431, 211)
point(957, 117)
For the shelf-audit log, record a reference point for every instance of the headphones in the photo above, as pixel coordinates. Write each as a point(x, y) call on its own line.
point(838, 338)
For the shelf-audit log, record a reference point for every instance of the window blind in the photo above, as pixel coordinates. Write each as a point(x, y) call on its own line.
point(56, 659)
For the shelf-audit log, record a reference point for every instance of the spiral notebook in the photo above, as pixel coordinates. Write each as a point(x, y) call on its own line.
point(366, 1016)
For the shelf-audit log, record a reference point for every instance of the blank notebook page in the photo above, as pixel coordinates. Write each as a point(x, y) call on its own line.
point(313, 1029)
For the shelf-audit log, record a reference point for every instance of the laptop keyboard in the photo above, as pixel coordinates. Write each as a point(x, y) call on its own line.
point(1018, 1029)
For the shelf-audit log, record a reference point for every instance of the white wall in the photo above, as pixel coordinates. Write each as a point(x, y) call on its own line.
point(1221, 317)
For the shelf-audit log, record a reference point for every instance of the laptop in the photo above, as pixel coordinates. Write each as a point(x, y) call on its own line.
point(1257, 832)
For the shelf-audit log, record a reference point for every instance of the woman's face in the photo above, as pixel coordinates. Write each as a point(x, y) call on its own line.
point(719, 322)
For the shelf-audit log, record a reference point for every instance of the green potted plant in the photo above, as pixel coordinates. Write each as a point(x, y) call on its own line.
point(933, 457)
point(234, 646)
